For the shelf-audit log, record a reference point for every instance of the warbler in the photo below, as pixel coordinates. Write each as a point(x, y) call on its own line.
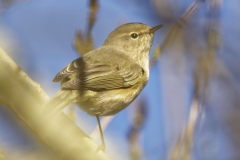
point(106, 80)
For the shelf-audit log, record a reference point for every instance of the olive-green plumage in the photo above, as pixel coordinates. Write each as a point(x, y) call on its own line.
point(106, 80)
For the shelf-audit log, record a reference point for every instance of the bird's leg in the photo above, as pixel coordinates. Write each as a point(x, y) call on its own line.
point(103, 146)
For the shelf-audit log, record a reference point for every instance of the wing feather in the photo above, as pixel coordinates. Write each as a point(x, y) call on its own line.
point(71, 68)
point(101, 74)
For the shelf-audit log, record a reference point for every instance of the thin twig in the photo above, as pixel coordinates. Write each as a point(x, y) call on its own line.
point(93, 6)
point(202, 74)
point(85, 44)
point(183, 147)
point(174, 31)
point(134, 131)
point(1, 155)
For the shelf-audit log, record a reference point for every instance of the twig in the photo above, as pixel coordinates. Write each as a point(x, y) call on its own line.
point(174, 31)
point(203, 72)
point(1, 155)
point(135, 129)
point(85, 44)
point(183, 147)
point(93, 6)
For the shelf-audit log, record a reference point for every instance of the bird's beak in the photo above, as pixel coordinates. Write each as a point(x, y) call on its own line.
point(154, 29)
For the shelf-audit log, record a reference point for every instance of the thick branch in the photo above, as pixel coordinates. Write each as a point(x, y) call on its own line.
point(60, 134)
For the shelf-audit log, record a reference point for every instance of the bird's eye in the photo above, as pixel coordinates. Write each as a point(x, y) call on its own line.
point(134, 35)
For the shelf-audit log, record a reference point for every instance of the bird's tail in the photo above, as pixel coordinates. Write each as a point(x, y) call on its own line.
point(58, 102)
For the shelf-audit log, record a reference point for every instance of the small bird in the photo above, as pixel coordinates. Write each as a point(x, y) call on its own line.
point(106, 80)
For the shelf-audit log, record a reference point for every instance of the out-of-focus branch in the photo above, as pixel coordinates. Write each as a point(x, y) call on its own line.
point(4, 102)
point(202, 75)
point(60, 134)
point(16, 73)
point(85, 44)
point(72, 112)
point(134, 132)
point(204, 67)
point(1, 155)
point(93, 6)
point(174, 31)
point(183, 148)
point(4, 4)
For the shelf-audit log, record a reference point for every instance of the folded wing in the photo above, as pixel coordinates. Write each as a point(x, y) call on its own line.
point(114, 70)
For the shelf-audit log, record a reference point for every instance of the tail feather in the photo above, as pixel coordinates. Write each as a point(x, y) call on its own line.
point(58, 102)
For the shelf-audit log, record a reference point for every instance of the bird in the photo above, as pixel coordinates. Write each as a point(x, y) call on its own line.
point(106, 80)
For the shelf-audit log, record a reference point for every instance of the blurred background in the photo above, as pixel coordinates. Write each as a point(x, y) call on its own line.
point(190, 108)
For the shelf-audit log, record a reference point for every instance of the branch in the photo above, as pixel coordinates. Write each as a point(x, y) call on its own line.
point(60, 135)
point(174, 31)
point(183, 147)
point(202, 74)
point(85, 44)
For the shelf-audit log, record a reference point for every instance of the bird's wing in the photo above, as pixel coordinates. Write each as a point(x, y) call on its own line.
point(110, 71)
point(71, 68)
